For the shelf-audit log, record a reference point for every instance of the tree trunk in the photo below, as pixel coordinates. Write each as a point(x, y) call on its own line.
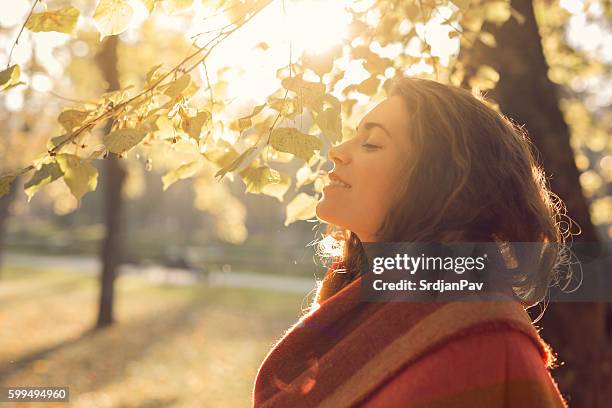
point(5, 212)
point(526, 94)
point(113, 176)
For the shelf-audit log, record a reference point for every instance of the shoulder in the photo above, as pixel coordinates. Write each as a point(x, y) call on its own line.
point(494, 367)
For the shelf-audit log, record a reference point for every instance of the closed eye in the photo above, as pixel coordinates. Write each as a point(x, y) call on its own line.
point(370, 146)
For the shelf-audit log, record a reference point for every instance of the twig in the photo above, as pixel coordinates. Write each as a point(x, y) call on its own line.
point(210, 90)
point(8, 63)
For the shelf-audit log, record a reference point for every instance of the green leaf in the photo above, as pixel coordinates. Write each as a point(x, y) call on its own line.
point(181, 173)
point(112, 17)
point(302, 207)
point(176, 87)
point(63, 20)
point(46, 174)
point(192, 125)
point(72, 118)
point(291, 140)
point(5, 184)
point(123, 140)
point(279, 189)
point(9, 77)
point(256, 178)
point(80, 176)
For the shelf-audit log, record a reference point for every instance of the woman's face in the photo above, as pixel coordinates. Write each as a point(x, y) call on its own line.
point(366, 171)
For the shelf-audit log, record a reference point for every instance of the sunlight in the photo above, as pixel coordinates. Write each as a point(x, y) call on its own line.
point(314, 25)
point(300, 26)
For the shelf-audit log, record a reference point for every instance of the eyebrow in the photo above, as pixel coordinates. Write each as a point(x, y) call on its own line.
point(370, 125)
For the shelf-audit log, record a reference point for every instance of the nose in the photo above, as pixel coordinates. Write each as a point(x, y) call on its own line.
point(339, 154)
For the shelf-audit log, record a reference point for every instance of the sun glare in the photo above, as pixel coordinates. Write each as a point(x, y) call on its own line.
point(315, 25)
point(287, 30)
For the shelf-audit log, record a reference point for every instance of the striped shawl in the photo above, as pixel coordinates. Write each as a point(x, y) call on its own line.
point(352, 353)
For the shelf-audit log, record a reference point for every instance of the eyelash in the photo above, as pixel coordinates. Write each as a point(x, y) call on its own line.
point(370, 146)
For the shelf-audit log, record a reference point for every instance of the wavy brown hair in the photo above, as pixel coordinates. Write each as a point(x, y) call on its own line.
point(472, 175)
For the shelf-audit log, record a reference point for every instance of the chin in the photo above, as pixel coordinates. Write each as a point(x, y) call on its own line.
point(325, 210)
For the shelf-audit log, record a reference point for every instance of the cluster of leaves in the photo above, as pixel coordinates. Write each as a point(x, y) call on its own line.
point(270, 130)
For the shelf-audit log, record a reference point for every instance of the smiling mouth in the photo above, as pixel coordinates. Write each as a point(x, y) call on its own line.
point(338, 183)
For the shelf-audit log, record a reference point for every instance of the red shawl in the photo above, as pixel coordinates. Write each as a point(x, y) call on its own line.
point(404, 354)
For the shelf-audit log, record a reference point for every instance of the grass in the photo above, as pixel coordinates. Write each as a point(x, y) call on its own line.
point(171, 347)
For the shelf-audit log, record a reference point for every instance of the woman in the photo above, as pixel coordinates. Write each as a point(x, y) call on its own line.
point(432, 163)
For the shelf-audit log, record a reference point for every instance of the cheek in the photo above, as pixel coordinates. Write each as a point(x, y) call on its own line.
point(375, 189)
point(375, 196)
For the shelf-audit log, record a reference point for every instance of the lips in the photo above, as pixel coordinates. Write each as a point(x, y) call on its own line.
point(335, 180)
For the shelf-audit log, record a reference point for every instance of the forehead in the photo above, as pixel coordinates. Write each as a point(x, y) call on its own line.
point(391, 113)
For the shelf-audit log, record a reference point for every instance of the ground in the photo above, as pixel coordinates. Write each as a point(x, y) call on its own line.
point(171, 347)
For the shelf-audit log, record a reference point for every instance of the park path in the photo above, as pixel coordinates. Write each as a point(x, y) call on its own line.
point(166, 275)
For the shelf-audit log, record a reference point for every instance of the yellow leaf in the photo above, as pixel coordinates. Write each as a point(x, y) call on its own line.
point(63, 20)
point(176, 87)
point(80, 176)
point(237, 10)
point(302, 207)
point(149, 4)
point(369, 86)
point(183, 172)
point(153, 74)
point(55, 141)
point(304, 176)
point(291, 140)
point(256, 178)
point(486, 78)
point(498, 11)
point(112, 16)
point(246, 121)
point(122, 140)
point(330, 123)
point(9, 77)
point(308, 92)
point(462, 4)
point(177, 6)
point(222, 154)
point(192, 125)
point(321, 62)
point(487, 39)
point(289, 107)
point(279, 189)
point(46, 174)
point(240, 162)
point(72, 118)
point(5, 184)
